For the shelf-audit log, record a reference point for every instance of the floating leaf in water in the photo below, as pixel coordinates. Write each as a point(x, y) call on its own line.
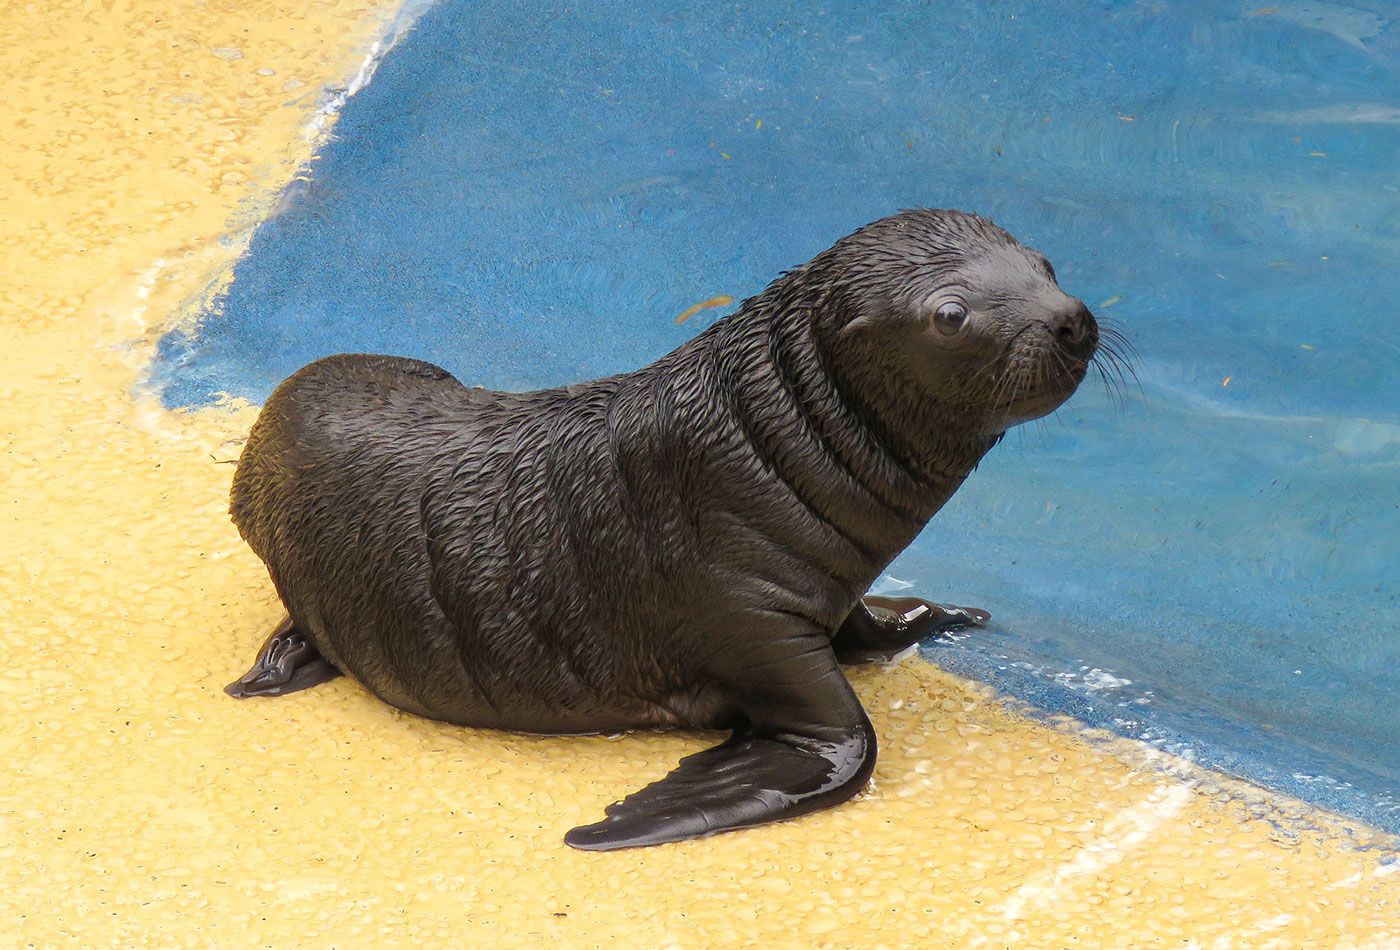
point(719, 301)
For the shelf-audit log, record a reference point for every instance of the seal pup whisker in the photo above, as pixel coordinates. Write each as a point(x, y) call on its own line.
point(1115, 361)
point(686, 544)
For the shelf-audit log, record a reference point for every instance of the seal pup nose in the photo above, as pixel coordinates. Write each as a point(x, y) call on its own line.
point(1072, 324)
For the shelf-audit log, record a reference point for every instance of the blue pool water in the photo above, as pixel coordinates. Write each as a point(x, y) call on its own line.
point(1209, 563)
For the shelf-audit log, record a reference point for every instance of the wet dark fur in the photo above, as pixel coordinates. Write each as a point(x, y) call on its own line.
point(678, 544)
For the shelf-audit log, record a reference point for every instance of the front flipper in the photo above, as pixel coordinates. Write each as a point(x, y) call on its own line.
point(746, 781)
point(286, 663)
point(879, 627)
point(808, 745)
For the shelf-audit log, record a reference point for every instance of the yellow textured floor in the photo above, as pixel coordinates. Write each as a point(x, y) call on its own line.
point(141, 807)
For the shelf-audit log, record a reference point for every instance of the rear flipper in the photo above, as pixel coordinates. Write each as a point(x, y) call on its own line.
point(879, 627)
point(286, 663)
point(807, 745)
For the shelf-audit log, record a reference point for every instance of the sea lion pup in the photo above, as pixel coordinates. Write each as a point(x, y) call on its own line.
point(686, 544)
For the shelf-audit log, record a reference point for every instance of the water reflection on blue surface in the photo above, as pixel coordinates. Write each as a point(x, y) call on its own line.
point(529, 200)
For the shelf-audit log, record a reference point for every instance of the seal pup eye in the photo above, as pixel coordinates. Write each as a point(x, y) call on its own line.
point(949, 318)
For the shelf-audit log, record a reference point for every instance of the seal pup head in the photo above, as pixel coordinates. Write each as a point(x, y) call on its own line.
point(942, 322)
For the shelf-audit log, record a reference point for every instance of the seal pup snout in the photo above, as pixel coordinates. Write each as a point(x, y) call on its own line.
point(1073, 325)
point(1046, 361)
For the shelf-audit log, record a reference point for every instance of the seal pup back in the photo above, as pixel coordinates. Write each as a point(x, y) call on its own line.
point(686, 544)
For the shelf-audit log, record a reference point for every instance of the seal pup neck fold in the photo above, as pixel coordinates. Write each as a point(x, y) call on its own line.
point(775, 379)
point(910, 466)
